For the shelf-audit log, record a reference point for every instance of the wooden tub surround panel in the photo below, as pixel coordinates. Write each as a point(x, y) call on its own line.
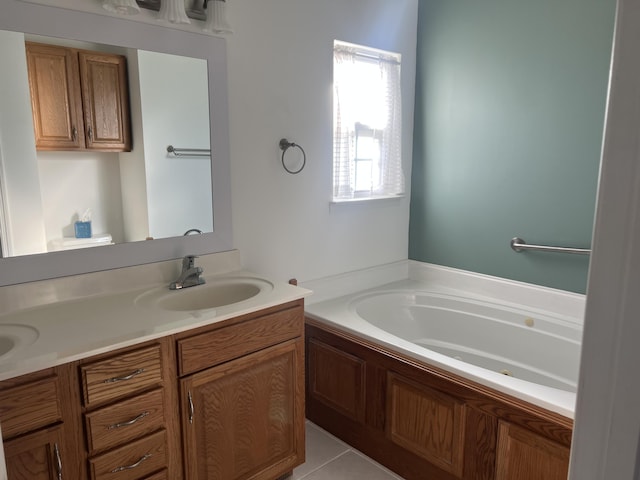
point(522, 454)
point(339, 367)
point(423, 422)
point(426, 422)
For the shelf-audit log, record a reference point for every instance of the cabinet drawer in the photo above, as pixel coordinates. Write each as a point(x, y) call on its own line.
point(122, 375)
point(163, 475)
point(124, 421)
point(133, 461)
point(218, 346)
point(28, 407)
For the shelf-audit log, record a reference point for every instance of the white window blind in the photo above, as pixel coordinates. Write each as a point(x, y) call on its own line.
point(367, 123)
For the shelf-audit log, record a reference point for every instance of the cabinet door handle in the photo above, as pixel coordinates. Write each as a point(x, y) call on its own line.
point(128, 423)
point(126, 377)
point(90, 133)
point(190, 398)
point(133, 465)
point(56, 453)
point(74, 134)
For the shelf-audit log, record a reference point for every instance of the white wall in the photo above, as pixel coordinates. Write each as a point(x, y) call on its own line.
point(175, 111)
point(72, 182)
point(135, 212)
point(280, 79)
point(19, 167)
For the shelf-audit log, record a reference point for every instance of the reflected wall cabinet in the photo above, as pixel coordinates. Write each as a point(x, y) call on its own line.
point(79, 99)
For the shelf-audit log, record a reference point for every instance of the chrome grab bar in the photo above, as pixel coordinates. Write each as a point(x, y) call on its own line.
point(189, 152)
point(519, 245)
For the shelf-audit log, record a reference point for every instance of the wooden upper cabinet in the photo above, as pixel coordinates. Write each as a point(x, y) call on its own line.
point(106, 101)
point(79, 99)
point(54, 83)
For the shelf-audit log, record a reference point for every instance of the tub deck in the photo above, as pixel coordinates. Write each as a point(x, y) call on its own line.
point(526, 352)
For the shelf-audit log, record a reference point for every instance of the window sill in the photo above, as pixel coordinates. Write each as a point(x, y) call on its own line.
point(366, 200)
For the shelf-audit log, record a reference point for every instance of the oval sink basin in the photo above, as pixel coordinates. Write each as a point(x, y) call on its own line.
point(215, 293)
point(14, 337)
point(6, 344)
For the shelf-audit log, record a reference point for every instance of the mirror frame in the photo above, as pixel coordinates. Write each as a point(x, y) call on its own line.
point(30, 18)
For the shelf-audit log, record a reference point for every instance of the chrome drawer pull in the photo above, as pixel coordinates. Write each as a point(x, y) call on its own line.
point(122, 379)
point(134, 465)
point(56, 452)
point(128, 423)
point(190, 398)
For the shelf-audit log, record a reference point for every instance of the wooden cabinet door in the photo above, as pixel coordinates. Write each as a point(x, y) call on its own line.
point(105, 100)
point(37, 456)
point(524, 455)
point(245, 418)
point(54, 83)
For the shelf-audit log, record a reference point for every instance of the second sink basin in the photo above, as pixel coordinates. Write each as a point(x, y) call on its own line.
point(14, 337)
point(6, 344)
point(215, 293)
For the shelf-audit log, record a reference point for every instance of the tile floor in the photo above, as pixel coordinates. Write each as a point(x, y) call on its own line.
point(331, 459)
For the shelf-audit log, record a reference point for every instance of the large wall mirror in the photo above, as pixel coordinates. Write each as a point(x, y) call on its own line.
point(142, 201)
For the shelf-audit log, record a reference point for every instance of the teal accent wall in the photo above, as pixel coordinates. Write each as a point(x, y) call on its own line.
point(510, 108)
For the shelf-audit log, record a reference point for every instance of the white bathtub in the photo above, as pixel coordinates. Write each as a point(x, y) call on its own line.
point(521, 349)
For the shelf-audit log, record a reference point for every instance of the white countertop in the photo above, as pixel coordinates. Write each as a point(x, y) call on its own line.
point(85, 325)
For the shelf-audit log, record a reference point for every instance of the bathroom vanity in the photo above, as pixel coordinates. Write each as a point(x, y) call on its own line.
point(147, 387)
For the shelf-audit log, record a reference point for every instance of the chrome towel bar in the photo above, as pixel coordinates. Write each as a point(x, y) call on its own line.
point(519, 245)
point(189, 152)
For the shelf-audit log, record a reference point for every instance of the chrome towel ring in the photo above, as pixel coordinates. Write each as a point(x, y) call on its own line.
point(284, 146)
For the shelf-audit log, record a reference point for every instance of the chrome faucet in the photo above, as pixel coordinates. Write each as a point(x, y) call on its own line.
point(190, 275)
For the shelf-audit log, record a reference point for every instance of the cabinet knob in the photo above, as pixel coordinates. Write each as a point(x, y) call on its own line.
point(90, 133)
point(74, 134)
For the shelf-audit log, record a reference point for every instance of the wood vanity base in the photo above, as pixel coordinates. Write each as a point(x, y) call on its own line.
point(223, 402)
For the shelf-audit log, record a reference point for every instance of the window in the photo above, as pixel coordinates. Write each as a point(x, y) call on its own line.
point(366, 123)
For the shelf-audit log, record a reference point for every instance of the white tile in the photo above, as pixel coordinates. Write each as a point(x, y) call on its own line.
point(321, 448)
point(382, 467)
point(350, 466)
